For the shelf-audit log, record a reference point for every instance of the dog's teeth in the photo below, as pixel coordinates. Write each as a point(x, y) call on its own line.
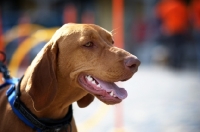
point(93, 82)
point(111, 94)
point(114, 96)
point(99, 85)
point(89, 78)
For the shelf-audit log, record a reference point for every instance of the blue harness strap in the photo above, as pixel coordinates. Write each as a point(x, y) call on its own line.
point(9, 82)
point(11, 94)
point(24, 114)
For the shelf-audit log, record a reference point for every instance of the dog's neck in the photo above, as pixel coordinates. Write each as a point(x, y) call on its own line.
point(59, 106)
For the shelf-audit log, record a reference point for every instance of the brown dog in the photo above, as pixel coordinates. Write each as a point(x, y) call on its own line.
point(78, 63)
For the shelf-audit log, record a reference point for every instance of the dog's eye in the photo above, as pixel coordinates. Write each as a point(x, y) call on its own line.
point(89, 44)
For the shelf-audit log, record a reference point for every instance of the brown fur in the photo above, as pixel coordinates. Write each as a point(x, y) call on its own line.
point(1, 79)
point(50, 84)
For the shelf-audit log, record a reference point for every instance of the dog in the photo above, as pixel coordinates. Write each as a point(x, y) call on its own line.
point(80, 62)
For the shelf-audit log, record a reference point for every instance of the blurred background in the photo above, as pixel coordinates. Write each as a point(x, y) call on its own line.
point(164, 96)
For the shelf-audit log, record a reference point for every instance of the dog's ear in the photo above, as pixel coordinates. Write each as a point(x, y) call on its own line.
point(85, 101)
point(43, 81)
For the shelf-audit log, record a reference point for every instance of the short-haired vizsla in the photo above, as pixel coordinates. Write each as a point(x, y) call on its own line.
point(80, 62)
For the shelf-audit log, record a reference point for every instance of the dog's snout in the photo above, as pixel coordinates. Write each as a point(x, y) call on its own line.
point(132, 63)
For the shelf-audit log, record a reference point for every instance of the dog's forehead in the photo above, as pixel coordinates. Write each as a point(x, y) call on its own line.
point(85, 29)
point(97, 31)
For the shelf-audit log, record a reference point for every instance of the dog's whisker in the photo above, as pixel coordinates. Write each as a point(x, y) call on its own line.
point(113, 32)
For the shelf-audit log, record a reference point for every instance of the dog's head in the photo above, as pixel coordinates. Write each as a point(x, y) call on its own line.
point(85, 57)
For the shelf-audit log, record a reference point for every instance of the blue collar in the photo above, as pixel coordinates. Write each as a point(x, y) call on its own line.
point(10, 81)
point(40, 125)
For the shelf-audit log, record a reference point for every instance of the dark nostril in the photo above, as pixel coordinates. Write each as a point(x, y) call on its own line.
point(132, 66)
point(132, 63)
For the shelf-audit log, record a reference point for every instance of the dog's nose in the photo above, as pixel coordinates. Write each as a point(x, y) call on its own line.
point(132, 63)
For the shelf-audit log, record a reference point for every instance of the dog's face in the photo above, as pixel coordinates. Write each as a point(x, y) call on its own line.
point(80, 60)
point(95, 64)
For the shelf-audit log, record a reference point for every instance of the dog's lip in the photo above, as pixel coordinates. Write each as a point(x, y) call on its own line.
point(109, 92)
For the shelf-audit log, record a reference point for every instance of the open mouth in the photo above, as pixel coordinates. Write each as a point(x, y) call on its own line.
point(107, 92)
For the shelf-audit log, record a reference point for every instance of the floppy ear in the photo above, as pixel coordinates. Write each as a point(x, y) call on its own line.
point(85, 101)
point(43, 81)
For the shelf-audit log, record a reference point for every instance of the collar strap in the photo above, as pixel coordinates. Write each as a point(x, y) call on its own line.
point(41, 125)
point(9, 82)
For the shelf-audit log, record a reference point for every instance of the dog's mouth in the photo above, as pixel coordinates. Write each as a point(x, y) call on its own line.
point(107, 92)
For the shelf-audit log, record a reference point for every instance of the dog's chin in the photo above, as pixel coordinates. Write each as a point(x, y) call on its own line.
point(107, 92)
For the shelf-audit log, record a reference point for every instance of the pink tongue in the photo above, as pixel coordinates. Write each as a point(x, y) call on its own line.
point(121, 93)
